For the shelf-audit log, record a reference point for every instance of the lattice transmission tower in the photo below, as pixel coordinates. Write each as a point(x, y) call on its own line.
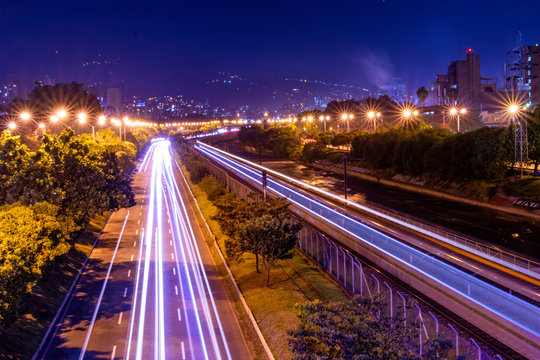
point(518, 83)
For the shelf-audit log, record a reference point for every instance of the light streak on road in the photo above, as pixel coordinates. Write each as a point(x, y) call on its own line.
point(513, 309)
point(152, 332)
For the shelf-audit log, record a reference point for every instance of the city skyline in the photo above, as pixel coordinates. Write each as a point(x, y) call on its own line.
point(178, 48)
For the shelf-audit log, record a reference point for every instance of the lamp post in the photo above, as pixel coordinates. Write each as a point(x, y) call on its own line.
point(347, 117)
point(454, 111)
point(25, 116)
point(373, 116)
point(519, 139)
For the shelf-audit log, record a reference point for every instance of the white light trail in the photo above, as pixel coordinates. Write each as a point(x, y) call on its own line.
point(189, 270)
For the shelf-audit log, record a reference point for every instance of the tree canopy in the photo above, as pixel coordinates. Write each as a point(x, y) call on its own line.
point(31, 237)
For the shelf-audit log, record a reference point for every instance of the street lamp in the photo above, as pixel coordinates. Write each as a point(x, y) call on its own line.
point(25, 116)
point(82, 118)
point(347, 117)
point(42, 127)
point(454, 111)
point(61, 113)
point(53, 118)
point(101, 120)
point(12, 126)
point(513, 110)
point(324, 119)
point(371, 116)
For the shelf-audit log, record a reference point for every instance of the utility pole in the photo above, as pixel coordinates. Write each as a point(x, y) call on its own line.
point(264, 183)
point(345, 158)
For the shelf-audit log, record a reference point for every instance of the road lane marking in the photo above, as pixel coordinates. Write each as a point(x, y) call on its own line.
point(94, 316)
point(139, 221)
point(179, 316)
point(129, 273)
point(137, 232)
point(140, 212)
point(170, 242)
point(134, 243)
point(183, 352)
point(176, 289)
point(172, 256)
point(125, 292)
point(174, 271)
point(120, 318)
point(113, 352)
point(131, 257)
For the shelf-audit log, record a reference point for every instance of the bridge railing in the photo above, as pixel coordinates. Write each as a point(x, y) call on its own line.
point(503, 257)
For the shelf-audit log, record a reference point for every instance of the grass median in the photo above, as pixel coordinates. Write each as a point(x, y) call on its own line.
point(21, 339)
point(293, 280)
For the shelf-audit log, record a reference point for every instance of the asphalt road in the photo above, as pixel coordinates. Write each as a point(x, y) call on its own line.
point(150, 288)
point(513, 232)
point(486, 298)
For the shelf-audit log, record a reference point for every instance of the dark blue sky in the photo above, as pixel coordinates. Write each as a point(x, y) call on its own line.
point(173, 47)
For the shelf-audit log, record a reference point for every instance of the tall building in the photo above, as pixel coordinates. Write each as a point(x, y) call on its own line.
point(463, 85)
point(464, 76)
point(17, 86)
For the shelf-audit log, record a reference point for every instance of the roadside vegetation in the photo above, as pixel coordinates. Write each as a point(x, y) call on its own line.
point(478, 161)
point(55, 193)
point(302, 313)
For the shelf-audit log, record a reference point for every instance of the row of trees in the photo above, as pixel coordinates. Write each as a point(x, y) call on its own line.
point(50, 195)
point(282, 142)
point(358, 330)
point(261, 228)
point(485, 153)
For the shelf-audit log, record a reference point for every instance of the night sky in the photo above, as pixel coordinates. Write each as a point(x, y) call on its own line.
point(174, 47)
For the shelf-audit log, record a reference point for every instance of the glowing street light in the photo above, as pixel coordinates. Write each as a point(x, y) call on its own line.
point(25, 116)
point(101, 120)
point(54, 118)
point(310, 118)
point(407, 113)
point(324, 119)
point(12, 126)
point(455, 112)
point(374, 116)
point(61, 113)
point(513, 109)
point(347, 117)
point(82, 118)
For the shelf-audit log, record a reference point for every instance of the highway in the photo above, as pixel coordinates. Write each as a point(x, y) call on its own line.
point(485, 297)
point(150, 289)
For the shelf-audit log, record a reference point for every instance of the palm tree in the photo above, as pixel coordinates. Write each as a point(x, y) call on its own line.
point(422, 94)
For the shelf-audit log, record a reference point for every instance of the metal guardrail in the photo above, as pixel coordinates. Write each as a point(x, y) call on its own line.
point(503, 257)
point(492, 251)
